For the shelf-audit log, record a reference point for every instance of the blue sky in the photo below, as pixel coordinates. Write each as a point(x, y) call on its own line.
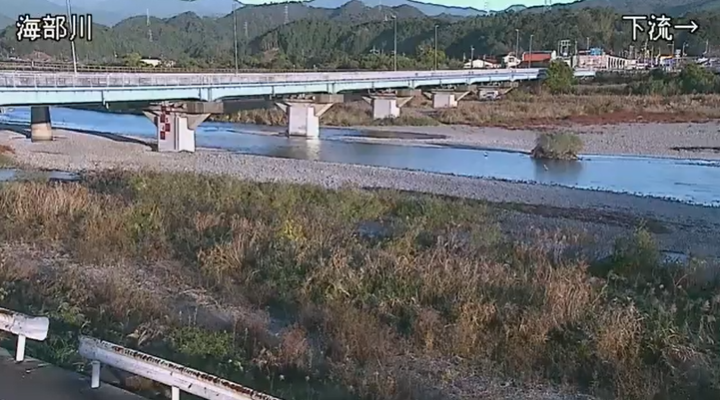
point(479, 4)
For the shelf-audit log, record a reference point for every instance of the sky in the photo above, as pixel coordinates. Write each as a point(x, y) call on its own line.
point(479, 4)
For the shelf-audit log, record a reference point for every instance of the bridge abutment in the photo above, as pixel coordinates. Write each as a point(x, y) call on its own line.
point(304, 116)
point(40, 124)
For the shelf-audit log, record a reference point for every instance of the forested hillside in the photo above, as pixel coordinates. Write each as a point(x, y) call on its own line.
point(351, 36)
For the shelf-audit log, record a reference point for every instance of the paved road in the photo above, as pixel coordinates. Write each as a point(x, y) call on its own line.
point(35, 380)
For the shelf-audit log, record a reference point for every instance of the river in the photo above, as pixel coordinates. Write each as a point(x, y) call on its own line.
point(691, 181)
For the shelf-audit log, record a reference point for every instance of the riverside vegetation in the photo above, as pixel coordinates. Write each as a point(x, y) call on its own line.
point(311, 293)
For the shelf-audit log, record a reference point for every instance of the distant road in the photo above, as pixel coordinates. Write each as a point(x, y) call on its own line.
point(35, 380)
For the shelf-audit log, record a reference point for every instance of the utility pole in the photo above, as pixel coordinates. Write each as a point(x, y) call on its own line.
point(707, 47)
point(147, 22)
point(530, 52)
point(587, 43)
point(395, 49)
point(72, 42)
point(436, 47)
point(517, 43)
point(235, 36)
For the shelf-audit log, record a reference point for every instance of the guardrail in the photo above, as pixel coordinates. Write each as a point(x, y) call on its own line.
point(178, 377)
point(69, 80)
point(61, 67)
point(25, 327)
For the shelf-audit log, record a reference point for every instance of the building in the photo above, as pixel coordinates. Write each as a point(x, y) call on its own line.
point(153, 62)
point(480, 64)
point(539, 56)
point(602, 61)
point(509, 60)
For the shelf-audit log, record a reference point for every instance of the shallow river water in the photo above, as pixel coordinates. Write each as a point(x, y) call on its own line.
point(692, 181)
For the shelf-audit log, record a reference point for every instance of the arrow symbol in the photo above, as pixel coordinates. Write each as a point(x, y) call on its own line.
point(692, 26)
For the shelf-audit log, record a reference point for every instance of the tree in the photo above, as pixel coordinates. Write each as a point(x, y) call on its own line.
point(560, 77)
point(132, 60)
point(695, 79)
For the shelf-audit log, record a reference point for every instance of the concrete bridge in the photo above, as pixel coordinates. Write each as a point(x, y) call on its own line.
point(305, 97)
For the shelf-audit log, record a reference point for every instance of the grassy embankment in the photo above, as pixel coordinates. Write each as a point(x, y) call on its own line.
point(272, 286)
point(592, 105)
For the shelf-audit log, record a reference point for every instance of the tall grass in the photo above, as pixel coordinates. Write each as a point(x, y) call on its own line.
point(311, 293)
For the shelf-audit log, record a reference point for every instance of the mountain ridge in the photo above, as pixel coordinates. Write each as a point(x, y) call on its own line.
point(111, 12)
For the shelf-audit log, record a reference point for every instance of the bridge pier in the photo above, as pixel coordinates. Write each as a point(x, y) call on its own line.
point(175, 128)
point(304, 116)
point(40, 124)
point(389, 105)
point(449, 98)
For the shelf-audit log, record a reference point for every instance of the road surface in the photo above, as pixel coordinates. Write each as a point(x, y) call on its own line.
point(32, 379)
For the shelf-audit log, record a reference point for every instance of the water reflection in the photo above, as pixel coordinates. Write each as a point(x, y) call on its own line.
point(565, 173)
point(690, 181)
point(11, 175)
point(297, 148)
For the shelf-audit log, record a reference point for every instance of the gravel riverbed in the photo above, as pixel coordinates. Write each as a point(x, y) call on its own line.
point(603, 215)
point(679, 140)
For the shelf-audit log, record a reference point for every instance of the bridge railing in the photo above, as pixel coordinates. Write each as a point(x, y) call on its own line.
point(25, 327)
point(178, 377)
point(67, 67)
point(69, 80)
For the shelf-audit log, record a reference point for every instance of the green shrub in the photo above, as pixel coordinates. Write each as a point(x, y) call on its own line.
point(560, 77)
point(558, 146)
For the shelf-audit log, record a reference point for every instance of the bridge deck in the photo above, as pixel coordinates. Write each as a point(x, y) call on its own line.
point(35, 380)
point(99, 80)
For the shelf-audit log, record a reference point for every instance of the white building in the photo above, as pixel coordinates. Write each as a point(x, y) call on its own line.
point(480, 64)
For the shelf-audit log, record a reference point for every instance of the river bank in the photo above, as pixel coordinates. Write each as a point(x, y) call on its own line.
point(675, 140)
point(687, 229)
point(301, 291)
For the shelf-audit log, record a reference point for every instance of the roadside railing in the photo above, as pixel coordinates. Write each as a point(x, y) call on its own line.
point(178, 377)
point(25, 327)
point(70, 80)
point(99, 352)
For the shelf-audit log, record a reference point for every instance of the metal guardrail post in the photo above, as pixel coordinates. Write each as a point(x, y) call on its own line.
point(177, 376)
point(24, 326)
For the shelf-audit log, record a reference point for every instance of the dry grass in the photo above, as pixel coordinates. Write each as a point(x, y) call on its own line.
point(520, 110)
point(346, 314)
point(6, 156)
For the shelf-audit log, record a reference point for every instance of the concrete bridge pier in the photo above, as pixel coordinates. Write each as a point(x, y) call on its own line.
point(449, 98)
point(176, 124)
point(40, 124)
point(389, 105)
point(304, 115)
